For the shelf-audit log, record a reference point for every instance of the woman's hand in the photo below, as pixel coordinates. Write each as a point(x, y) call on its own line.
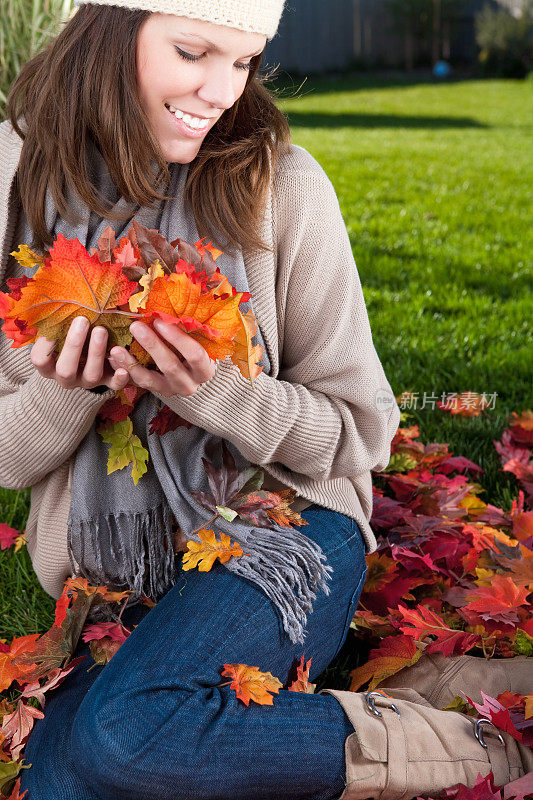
point(67, 371)
point(184, 363)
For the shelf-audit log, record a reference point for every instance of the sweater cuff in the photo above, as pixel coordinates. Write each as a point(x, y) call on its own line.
point(67, 406)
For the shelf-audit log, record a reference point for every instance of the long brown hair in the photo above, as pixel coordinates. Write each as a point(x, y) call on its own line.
point(84, 84)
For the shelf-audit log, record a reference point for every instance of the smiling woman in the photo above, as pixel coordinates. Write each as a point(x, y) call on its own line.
point(198, 69)
point(119, 96)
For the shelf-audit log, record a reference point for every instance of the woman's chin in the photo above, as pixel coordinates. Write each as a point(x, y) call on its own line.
point(180, 152)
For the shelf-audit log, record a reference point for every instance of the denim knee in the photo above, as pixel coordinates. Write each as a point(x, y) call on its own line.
point(115, 746)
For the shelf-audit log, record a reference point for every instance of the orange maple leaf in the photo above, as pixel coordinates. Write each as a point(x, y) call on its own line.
point(466, 404)
point(203, 554)
point(10, 672)
point(71, 283)
point(252, 684)
point(392, 655)
point(523, 525)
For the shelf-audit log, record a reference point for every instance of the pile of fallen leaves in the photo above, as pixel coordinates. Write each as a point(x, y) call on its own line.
point(451, 574)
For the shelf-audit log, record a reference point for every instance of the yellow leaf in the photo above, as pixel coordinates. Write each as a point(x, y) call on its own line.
point(203, 554)
point(126, 448)
point(529, 706)
point(26, 257)
point(139, 299)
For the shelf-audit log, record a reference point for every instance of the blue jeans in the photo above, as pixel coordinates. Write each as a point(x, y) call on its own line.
point(154, 722)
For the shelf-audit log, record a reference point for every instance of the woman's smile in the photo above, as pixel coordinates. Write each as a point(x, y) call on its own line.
point(195, 127)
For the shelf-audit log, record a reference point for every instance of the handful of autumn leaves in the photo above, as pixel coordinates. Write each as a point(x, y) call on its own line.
point(143, 277)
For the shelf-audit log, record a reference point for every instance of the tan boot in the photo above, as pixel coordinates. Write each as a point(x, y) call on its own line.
point(402, 747)
point(439, 678)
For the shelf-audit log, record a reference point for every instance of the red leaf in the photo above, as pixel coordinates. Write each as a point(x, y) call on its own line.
point(495, 711)
point(7, 535)
point(498, 601)
point(422, 622)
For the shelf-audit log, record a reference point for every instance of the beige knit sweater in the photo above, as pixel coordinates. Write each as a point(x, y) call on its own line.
point(316, 424)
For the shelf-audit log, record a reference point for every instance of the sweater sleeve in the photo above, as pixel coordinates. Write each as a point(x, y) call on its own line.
point(330, 413)
point(41, 423)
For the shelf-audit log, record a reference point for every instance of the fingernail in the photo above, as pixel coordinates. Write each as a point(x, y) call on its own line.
point(80, 324)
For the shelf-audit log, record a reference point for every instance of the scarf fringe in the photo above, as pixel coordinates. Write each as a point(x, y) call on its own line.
point(277, 561)
point(149, 530)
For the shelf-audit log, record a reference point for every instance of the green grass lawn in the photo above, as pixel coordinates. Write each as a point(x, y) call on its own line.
point(434, 185)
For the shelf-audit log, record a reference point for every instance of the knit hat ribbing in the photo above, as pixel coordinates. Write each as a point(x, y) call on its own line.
point(255, 16)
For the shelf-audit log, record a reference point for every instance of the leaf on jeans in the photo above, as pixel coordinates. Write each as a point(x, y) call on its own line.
point(103, 650)
point(54, 679)
point(203, 554)
point(116, 631)
point(301, 683)
point(392, 655)
point(58, 643)
point(250, 683)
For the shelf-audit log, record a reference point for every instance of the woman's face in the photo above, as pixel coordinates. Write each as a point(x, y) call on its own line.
point(196, 67)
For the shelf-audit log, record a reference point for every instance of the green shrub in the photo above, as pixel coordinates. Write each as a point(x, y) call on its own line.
point(26, 26)
point(505, 41)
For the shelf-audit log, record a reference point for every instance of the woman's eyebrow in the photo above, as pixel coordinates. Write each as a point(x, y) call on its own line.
point(212, 44)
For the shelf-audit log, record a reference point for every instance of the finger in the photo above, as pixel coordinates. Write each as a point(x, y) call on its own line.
point(168, 362)
point(145, 378)
point(42, 357)
point(119, 380)
point(195, 357)
point(67, 364)
point(95, 363)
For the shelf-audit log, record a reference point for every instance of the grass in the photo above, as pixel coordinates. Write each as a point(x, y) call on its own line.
point(434, 186)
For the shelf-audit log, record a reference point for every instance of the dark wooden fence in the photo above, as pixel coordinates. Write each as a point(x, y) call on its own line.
point(325, 35)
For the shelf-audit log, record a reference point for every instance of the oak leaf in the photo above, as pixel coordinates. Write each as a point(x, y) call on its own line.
point(202, 554)
point(250, 683)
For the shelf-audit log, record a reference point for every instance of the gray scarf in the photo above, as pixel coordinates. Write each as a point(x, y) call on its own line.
point(117, 530)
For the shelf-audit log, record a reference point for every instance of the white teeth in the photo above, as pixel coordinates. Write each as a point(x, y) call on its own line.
point(193, 122)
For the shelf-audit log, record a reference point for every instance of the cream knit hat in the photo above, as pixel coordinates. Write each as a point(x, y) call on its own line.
point(256, 16)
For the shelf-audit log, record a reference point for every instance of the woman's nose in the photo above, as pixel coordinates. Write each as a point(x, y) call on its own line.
point(218, 88)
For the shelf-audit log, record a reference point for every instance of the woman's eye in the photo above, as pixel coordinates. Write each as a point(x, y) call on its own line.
point(190, 57)
point(187, 56)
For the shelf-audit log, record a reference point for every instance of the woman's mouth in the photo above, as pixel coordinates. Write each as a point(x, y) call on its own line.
point(192, 127)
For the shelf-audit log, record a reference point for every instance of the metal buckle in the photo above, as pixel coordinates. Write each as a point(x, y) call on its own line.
point(479, 734)
point(371, 703)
